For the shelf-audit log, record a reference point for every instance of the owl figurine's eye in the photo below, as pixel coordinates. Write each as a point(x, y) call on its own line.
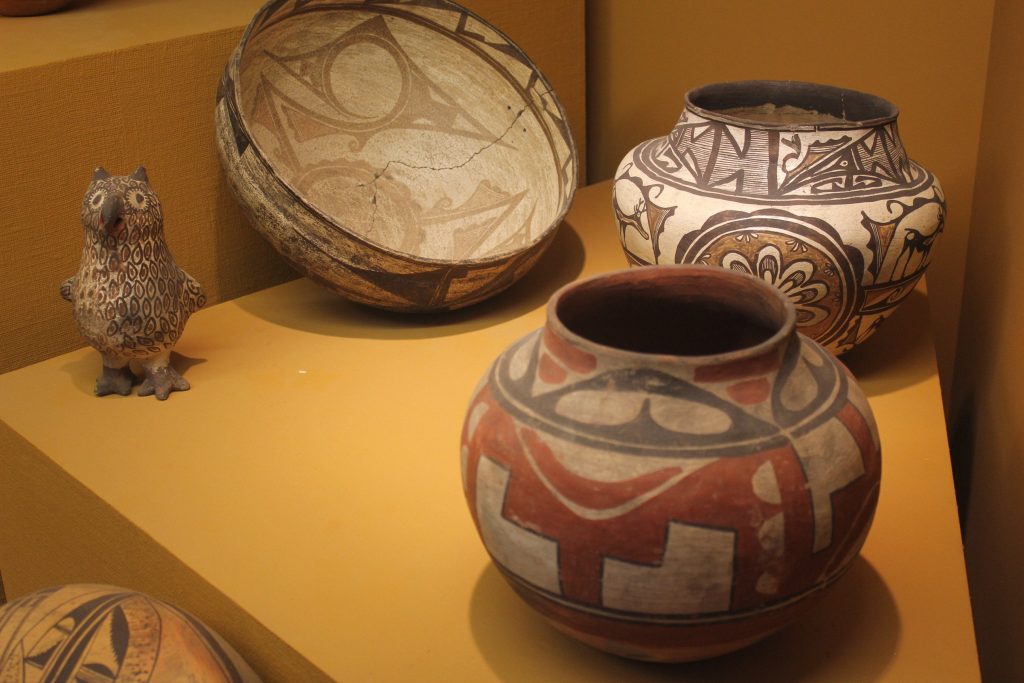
point(137, 200)
point(96, 201)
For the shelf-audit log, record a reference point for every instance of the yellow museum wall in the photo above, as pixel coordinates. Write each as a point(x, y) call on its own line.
point(149, 104)
point(927, 56)
point(128, 95)
point(987, 416)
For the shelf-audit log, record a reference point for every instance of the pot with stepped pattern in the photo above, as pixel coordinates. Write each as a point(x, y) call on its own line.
point(805, 186)
point(668, 470)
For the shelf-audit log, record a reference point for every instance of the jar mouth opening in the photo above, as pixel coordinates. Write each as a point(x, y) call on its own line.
point(789, 105)
point(674, 310)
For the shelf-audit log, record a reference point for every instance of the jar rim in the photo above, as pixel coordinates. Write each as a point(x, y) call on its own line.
point(693, 279)
point(855, 109)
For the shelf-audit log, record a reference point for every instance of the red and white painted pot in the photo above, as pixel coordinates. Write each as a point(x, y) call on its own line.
point(667, 470)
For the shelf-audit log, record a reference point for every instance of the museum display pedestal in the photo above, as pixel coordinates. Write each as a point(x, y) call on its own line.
point(304, 498)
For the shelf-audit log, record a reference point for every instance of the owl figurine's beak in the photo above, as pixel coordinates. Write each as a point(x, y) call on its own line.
point(110, 215)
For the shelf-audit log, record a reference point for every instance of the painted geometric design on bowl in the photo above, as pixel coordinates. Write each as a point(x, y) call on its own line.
point(359, 110)
point(101, 634)
point(714, 158)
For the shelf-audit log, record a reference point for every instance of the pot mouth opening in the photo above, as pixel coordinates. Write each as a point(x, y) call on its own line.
point(682, 310)
point(789, 105)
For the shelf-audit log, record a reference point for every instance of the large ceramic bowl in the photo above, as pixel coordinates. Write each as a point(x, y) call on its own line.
point(407, 155)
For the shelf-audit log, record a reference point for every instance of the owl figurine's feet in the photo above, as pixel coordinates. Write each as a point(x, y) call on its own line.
point(161, 380)
point(115, 381)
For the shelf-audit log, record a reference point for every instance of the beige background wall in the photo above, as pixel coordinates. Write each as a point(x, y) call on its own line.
point(987, 420)
point(927, 56)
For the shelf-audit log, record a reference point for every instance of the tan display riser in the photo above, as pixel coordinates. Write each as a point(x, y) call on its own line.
point(305, 499)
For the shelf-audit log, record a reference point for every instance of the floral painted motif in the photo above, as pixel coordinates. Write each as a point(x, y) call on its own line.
point(796, 279)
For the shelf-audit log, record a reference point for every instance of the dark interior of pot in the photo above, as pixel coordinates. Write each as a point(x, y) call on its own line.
point(792, 102)
point(688, 311)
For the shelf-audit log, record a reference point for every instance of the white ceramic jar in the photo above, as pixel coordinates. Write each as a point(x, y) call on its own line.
point(806, 186)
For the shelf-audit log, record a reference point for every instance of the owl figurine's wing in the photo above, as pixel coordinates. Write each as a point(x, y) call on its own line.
point(192, 294)
point(66, 288)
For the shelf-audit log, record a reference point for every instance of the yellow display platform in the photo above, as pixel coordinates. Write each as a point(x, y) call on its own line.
point(305, 497)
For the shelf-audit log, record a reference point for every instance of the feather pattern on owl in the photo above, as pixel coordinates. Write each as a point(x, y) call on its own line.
point(131, 300)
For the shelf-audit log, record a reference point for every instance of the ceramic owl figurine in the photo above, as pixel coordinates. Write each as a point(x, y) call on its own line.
point(131, 299)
